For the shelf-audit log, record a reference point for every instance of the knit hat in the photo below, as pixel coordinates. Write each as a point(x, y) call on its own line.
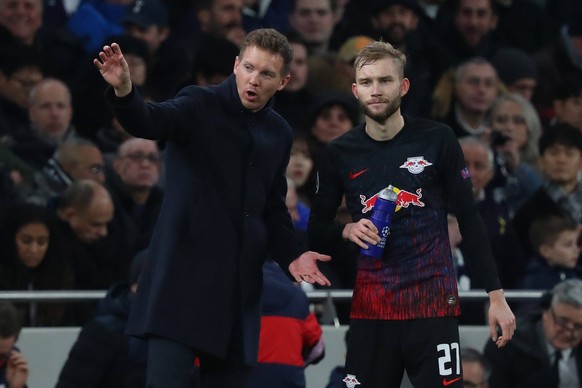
point(513, 64)
point(349, 50)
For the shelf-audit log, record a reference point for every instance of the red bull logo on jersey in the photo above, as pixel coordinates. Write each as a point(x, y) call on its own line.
point(416, 164)
point(405, 199)
point(351, 381)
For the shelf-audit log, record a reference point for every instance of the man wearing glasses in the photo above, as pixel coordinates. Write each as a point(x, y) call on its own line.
point(545, 351)
point(134, 186)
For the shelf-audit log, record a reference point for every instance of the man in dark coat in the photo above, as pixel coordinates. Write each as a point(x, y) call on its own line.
point(546, 351)
point(223, 213)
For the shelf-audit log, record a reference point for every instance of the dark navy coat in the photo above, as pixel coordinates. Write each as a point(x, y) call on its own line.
point(223, 212)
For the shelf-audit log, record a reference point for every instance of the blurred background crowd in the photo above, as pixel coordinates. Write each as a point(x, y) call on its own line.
point(79, 197)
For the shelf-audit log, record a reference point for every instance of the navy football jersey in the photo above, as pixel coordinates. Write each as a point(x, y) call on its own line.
point(424, 163)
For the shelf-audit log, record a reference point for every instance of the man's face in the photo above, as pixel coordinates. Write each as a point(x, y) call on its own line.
point(379, 88)
point(224, 18)
point(561, 164)
point(258, 77)
point(153, 35)
point(395, 22)
point(476, 88)
point(90, 225)
point(313, 20)
point(569, 111)
point(563, 325)
point(89, 165)
point(479, 165)
point(299, 69)
point(17, 87)
point(525, 87)
point(138, 163)
point(22, 18)
point(474, 20)
point(50, 111)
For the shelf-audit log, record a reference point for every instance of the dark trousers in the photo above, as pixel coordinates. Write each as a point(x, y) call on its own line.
point(171, 365)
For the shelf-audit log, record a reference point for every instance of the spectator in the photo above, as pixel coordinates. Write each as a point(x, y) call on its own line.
point(517, 70)
point(103, 356)
point(222, 18)
point(558, 61)
point(21, 24)
point(314, 21)
point(515, 129)
point(335, 72)
point(22, 19)
point(33, 260)
point(266, 14)
point(300, 168)
point(134, 186)
point(19, 73)
point(95, 20)
point(212, 62)
point(561, 161)
point(494, 210)
point(169, 55)
point(568, 102)
point(296, 97)
point(462, 99)
point(97, 249)
point(291, 338)
point(476, 368)
point(74, 159)
point(545, 352)
point(555, 243)
point(13, 365)
point(50, 112)
point(333, 114)
point(470, 32)
point(523, 25)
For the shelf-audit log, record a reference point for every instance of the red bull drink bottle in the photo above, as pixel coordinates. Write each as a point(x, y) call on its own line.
point(382, 218)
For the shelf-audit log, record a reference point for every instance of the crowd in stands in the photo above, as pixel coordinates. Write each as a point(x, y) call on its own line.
point(79, 197)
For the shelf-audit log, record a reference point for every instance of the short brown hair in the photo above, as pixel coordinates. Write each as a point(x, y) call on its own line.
point(380, 50)
point(546, 230)
point(272, 41)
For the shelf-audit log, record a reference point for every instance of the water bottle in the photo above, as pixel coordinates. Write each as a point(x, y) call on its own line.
point(382, 218)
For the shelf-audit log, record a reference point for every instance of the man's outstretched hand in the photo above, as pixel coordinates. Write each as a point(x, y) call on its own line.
point(304, 268)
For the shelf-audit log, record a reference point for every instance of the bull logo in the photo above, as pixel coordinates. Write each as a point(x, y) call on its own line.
point(351, 381)
point(416, 164)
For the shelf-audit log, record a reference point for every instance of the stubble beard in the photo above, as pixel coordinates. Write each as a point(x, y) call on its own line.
point(382, 117)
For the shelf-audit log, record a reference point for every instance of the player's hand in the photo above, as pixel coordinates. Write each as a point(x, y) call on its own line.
point(362, 233)
point(114, 69)
point(500, 315)
point(16, 370)
point(304, 268)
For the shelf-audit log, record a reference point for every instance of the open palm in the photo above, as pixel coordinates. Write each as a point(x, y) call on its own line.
point(113, 68)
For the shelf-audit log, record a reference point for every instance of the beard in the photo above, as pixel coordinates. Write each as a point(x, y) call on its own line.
point(381, 117)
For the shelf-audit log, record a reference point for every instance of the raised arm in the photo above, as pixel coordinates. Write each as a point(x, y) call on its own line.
point(114, 69)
